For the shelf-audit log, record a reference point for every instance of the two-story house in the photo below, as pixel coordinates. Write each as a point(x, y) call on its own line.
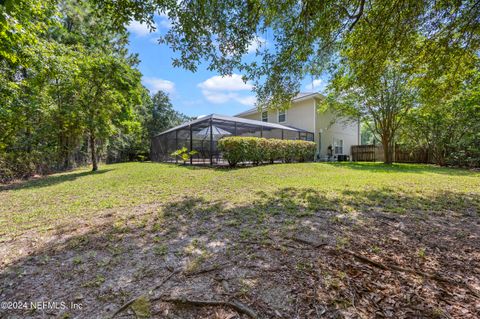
point(329, 130)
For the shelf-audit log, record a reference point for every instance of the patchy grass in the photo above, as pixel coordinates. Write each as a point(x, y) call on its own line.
point(45, 203)
point(102, 238)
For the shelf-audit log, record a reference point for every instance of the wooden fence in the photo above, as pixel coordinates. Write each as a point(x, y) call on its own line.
point(374, 153)
point(367, 153)
point(417, 155)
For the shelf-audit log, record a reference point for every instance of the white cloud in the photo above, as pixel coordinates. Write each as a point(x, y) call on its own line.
point(154, 40)
point(258, 42)
point(140, 29)
point(157, 84)
point(247, 100)
point(163, 20)
point(217, 97)
point(225, 83)
point(165, 23)
point(223, 89)
point(316, 85)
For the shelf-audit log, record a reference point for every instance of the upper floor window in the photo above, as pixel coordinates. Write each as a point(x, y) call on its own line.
point(282, 116)
point(265, 116)
point(338, 146)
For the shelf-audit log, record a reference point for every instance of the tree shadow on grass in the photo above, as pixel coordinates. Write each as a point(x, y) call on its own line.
point(373, 167)
point(52, 180)
point(403, 168)
point(389, 200)
point(258, 253)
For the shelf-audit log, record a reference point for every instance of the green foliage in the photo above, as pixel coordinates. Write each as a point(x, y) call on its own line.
point(237, 149)
point(68, 83)
point(141, 307)
point(161, 115)
point(153, 115)
point(386, 57)
point(448, 128)
point(367, 135)
point(382, 101)
point(307, 37)
point(22, 25)
point(184, 154)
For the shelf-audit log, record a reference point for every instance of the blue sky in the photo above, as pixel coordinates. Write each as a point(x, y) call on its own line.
point(199, 93)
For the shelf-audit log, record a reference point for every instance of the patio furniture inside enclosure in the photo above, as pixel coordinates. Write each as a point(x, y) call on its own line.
point(203, 134)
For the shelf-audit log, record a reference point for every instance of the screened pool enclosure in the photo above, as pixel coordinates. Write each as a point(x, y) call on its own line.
point(203, 134)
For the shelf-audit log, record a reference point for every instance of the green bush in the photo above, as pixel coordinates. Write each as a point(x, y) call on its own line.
point(184, 154)
point(237, 149)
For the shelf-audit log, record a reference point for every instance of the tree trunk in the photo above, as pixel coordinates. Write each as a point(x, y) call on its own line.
point(387, 150)
point(94, 152)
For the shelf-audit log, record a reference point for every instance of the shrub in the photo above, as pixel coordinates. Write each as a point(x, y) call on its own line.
point(275, 150)
point(233, 148)
point(17, 166)
point(237, 149)
point(469, 159)
point(184, 154)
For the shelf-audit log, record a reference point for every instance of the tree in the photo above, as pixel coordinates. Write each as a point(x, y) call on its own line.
point(57, 58)
point(449, 128)
point(356, 41)
point(22, 23)
point(153, 115)
point(382, 101)
point(161, 115)
point(367, 135)
point(305, 37)
point(109, 88)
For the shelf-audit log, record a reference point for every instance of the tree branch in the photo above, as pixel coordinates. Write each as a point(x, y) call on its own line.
point(357, 16)
point(238, 306)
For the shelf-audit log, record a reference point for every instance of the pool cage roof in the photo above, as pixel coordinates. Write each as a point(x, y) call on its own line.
point(202, 135)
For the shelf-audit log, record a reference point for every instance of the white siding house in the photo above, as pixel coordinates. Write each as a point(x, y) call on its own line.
point(340, 133)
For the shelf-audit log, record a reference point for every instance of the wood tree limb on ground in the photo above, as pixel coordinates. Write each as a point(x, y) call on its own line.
point(130, 302)
point(390, 267)
point(235, 304)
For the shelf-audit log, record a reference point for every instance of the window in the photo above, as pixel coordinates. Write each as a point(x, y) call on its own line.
point(338, 146)
point(282, 116)
point(265, 116)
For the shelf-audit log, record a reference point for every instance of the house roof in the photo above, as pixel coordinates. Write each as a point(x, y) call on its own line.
point(234, 119)
point(300, 97)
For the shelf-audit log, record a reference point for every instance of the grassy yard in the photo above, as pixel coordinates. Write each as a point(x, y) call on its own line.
point(277, 238)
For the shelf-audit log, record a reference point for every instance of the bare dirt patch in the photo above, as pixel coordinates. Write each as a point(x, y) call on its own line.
point(279, 257)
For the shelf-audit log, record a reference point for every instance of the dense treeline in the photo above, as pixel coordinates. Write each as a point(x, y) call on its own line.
point(70, 91)
point(448, 129)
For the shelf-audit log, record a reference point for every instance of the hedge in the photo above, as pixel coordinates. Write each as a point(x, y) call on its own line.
point(238, 149)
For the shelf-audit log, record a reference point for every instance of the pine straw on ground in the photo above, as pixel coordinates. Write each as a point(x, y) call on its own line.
point(274, 258)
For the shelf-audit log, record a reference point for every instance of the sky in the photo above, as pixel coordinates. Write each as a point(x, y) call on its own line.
point(200, 93)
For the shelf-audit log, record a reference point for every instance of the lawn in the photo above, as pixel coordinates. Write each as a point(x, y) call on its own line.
point(284, 240)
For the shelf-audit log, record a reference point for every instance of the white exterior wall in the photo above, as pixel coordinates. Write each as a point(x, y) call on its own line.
point(303, 115)
point(300, 115)
point(328, 129)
